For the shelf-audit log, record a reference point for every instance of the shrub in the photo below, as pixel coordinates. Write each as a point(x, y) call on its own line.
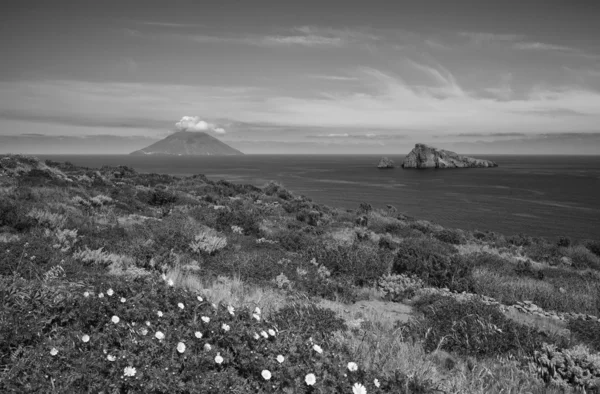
point(564, 367)
point(73, 340)
point(519, 240)
point(208, 242)
point(472, 328)
point(434, 264)
point(248, 219)
point(594, 247)
point(308, 320)
point(398, 287)
point(587, 331)
point(310, 217)
point(453, 237)
point(362, 262)
point(12, 215)
point(581, 257)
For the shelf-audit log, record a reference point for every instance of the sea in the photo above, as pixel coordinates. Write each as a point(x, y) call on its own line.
point(548, 196)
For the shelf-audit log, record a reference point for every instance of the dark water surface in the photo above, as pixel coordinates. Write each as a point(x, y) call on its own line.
point(535, 195)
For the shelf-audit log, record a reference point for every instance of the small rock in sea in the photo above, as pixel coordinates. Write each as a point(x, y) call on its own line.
point(385, 163)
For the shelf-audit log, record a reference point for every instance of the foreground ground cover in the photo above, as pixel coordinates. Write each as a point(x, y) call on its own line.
point(115, 281)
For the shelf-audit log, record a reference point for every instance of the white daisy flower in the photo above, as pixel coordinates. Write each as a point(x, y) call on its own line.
point(85, 338)
point(205, 319)
point(359, 389)
point(110, 292)
point(280, 359)
point(159, 335)
point(230, 309)
point(181, 347)
point(376, 382)
point(143, 331)
point(101, 295)
point(271, 332)
point(256, 336)
point(219, 359)
point(200, 299)
point(86, 294)
point(256, 316)
point(207, 347)
point(53, 351)
point(171, 283)
point(159, 313)
point(310, 379)
point(198, 334)
point(123, 299)
point(257, 310)
point(225, 327)
point(317, 349)
point(266, 374)
point(352, 366)
point(180, 305)
point(129, 371)
point(110, 357)
point(115, 319)
point(264, 334)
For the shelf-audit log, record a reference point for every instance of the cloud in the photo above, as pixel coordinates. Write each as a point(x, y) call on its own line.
point(194, 123)
point(540, 46)
point(167, 24)
point(479, 38)
point(340, 78)
point(307, 36)
point(490, 134)
point(331, 135)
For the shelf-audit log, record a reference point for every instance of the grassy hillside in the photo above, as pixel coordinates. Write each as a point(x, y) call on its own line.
point(115, 281)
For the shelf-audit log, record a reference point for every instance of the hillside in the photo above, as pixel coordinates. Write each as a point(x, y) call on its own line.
point(117, 281)
point(187, 143)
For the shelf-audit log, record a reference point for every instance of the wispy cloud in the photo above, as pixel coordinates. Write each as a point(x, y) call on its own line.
point(341, 78)
point(540, 46)
point(272, 40)
point(167, 24)
point(308, 36)
point(479, 38)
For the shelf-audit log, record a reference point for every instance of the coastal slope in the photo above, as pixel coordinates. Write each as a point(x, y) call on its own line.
point(187, 143)
point(425, 156)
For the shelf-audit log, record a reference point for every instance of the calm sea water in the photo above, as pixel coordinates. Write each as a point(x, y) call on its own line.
point(536, 195)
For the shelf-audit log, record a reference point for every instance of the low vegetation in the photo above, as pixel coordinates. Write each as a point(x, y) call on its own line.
point(121, 282)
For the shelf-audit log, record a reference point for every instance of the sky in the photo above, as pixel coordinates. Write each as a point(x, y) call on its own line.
point(302, 76)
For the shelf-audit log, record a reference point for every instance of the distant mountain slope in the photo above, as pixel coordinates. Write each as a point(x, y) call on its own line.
point(187, 143)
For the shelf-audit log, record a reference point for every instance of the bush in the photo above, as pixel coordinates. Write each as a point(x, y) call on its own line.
point(248, 219)
point(453, 237)
point(586, 331)
point(13, 216)
point(519, 240)
point(398, 287)
point(208, 242)
point(581, 257)
point(363, 263)
point(158, 198)
point(74, 340)
point(307, 320)
point(594, 247)
point(568, 367)
point(434, 263)
point(310, 217)
point(472, 328)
